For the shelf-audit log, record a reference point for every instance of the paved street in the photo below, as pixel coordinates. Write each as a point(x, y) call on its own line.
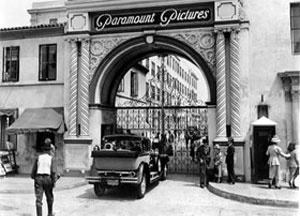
point(179, 195)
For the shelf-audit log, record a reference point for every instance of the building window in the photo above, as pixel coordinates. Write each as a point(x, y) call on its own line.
point(147, 91)
point(152, 92)
point(147, 63)
point(53, 21)
point(158, 94)
point(11, 64)
point(121, 86)
point(47, 67)
point(295, 27)
point(134, 84)
point(153, 69)
point(158, 73)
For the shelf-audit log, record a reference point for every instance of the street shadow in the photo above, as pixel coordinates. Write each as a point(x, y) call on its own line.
point(121, 193)
point(183, 178)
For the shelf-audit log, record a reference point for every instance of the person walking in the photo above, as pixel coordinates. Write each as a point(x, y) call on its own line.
point(44, 173)
point(230, 161)
point(202, 154)
point(218, 163)
point(274, 151)
point(293, 164)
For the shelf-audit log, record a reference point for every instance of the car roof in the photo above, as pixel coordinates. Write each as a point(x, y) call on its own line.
point(125, 137)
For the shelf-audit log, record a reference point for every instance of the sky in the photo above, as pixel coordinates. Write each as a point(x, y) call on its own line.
point(13, 13)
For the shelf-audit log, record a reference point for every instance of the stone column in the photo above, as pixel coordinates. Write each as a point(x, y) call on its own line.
point(83, 95)
point(234, 85)
point(221, 86)
point(295, 92)
point(73, 88)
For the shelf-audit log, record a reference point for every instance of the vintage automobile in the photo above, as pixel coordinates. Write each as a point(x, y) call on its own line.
point(126, 159)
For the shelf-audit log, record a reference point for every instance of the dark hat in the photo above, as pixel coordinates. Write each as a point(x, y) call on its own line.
point(230, 139)
point(217, 146)
point(46, 146)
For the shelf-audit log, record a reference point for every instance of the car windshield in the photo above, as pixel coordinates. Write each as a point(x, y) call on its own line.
point(125, 144)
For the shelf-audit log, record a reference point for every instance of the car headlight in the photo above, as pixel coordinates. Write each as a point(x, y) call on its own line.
point(96, 148)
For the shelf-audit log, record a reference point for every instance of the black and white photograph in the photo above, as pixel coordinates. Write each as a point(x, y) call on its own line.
point(149, 107)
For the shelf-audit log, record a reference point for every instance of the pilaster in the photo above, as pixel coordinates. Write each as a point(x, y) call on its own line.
point(221, 86)
point(235, 85)
point(73, 88)
point(291, 87)
point(83, 96)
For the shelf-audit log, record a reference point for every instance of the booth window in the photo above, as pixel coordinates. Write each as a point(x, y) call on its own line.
point(11, 64)
point(7, 141)
point(47, 65)
point(295, 28)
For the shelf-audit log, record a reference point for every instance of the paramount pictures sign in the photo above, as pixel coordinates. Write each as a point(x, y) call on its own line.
point(158, 18)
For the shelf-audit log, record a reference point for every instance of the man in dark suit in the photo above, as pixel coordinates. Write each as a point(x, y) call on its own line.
point(204, 159)
point(230, 161)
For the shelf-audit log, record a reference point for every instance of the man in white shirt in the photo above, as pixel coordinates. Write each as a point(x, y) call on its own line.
point(44, 175)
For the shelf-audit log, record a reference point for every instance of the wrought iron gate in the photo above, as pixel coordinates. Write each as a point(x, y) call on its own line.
point(176, 121)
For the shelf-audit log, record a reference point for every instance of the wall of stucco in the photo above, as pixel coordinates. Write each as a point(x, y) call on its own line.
point(29, 92)
point(269, 53)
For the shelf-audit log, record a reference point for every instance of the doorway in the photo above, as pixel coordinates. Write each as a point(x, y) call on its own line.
point(262, 136)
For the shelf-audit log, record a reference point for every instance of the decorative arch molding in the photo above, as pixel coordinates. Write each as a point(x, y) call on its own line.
point(100, 48)
point(202, 41)
point(113, 57)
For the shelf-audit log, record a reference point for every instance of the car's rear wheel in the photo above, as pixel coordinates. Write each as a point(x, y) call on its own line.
point(99, 189)
point(141, 189)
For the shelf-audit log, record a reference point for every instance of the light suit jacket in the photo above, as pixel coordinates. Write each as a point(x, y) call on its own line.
point(274, 152)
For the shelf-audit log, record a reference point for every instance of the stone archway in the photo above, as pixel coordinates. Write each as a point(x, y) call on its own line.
point(99, 59)
point(115, 64)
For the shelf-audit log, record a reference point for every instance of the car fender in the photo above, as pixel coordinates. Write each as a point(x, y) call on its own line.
point(140, 172)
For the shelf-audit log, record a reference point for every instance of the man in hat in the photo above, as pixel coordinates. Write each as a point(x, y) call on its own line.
point(44, 175)
point(230, 161)
point(274, 151)
point(203, 157)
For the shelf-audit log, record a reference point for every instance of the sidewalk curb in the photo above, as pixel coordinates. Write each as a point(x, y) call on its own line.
point(31, 191)
point(253, 200)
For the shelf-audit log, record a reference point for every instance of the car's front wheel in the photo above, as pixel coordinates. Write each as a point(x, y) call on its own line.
point(99, 189)
point(141, 189)
point(164, 173)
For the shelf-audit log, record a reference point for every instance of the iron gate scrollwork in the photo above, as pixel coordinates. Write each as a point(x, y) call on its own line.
point(164, 108)
point(178, 121)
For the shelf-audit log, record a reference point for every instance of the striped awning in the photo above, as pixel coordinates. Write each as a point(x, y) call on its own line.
point(7, 112)
point(35, 120)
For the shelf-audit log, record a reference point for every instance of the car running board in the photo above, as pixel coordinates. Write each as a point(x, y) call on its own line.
point(154, 176)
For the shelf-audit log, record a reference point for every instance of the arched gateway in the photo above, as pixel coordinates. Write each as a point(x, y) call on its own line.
point(105, 43)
